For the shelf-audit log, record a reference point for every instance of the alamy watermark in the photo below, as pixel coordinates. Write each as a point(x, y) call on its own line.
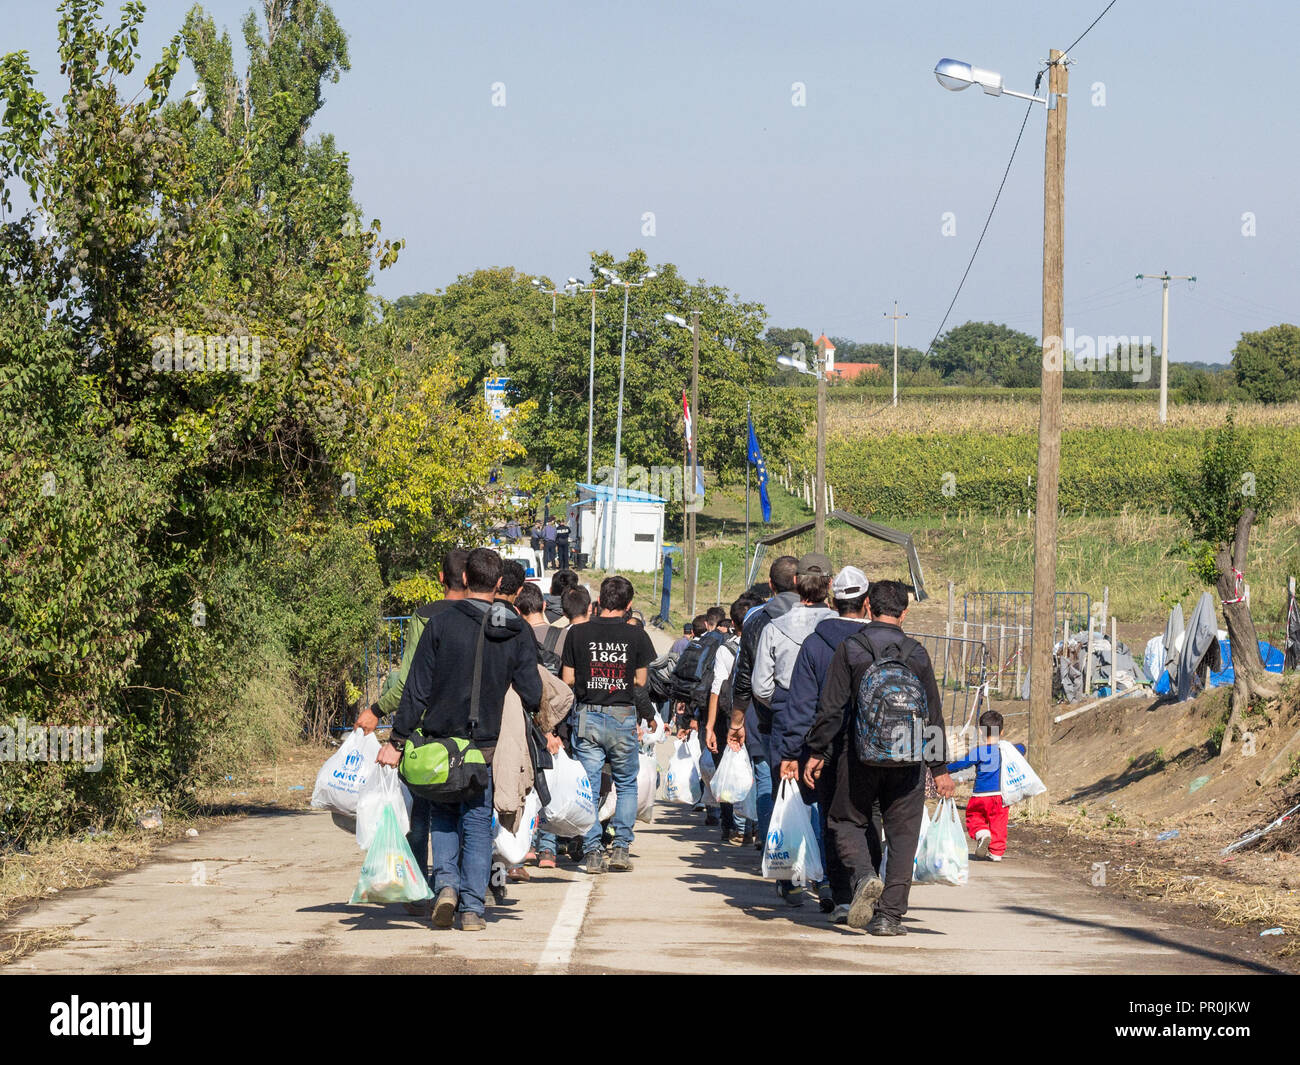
point(22, 742)
point(666, 482)
point(1094, 354)
point(181, 352)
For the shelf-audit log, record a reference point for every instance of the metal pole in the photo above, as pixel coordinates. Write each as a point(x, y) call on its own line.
point(819, 537)
point(1049, 421)
point(747, 469)
point(1164, 348)
point(610, 541)
point(695, 441)
point(896, 316)
point(591, 384)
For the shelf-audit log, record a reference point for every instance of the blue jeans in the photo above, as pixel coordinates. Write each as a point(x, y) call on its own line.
point(544, 841)
point(764, 786)
point(609, 739)
point(462, 849)
point(418, 837)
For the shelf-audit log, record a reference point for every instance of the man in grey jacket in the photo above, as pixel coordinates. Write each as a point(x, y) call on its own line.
point(774, 659)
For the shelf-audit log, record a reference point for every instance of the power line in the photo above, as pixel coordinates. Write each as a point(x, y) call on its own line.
point(1090, 25)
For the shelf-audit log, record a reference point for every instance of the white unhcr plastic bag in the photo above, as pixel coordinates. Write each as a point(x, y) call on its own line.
point(647, 783)
point(790, 851)
point(340, 779)
point(1018, 780)
point(572, 809)
point(944, 857)
point(512, 847)
point(382, 787)
point(734, 778)
point(684, 784)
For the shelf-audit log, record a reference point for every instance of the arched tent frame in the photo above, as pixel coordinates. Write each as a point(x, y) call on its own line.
point(853, 521)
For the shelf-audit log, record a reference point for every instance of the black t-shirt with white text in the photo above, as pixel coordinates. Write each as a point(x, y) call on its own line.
point(605, 654)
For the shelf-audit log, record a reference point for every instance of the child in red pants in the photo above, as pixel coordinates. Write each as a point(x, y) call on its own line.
point(986, 813)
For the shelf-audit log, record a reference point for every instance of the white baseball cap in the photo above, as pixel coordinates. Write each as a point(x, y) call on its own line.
point(849, 583)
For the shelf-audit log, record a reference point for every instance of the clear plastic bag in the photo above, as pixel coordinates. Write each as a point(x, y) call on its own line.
point(734, 778)
point(943, 857)
point(382, 787)
point(390, 872)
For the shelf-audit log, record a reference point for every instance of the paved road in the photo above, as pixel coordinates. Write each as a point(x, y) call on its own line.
point(262, 895)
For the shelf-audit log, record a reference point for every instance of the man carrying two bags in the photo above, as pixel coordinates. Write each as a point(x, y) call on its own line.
point(455, 712)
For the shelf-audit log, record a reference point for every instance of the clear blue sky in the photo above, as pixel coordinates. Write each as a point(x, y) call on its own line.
point(825, 213)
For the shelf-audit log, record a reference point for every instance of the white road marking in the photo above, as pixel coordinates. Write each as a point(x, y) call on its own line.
point(568, 923)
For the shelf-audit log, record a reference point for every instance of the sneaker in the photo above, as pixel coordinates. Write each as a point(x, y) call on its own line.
point(619, 861)
point(531, 856)
point(472, 922)
point(747, 839)
point(444, 907)
point(840, 915)
point(824, 899)
point(595, 862)
point(995, 857)
point(982, 838)
point(792, 895)
point(546, 860)
point(884, 925)
point(417, 909)
point(711, 817)
point(863, 908)
point(518, 874)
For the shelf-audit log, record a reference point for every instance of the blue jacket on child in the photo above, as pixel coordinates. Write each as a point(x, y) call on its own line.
point(988, 762)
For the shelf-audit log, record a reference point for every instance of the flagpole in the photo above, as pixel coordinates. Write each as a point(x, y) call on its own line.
point(748, 465)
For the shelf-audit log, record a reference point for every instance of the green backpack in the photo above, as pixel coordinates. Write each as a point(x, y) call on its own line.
point(449, 769)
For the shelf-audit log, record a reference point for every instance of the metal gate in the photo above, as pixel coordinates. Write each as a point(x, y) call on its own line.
point(381, 655)
point(961, 671)
point(988, 611)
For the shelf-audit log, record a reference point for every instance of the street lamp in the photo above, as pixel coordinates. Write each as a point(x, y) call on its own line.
point(819, 503)
point(688, 512)
point(591, 365)
point(540, 285)
point(956, 76)
point(628, 286)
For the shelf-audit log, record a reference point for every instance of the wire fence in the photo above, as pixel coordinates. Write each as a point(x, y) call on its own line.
point(961, 671)
point(987, 612)
point(381, 655)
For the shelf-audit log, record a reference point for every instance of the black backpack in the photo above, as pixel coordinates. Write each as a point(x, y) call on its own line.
point(659, 676)
point(891, 708)
point(693, 676)
point(547, 655)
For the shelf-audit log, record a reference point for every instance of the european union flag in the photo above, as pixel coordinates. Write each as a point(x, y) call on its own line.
point(756, 457)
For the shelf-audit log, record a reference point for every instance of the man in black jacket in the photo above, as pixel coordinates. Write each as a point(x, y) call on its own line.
point(437, 698)
point(899, 788)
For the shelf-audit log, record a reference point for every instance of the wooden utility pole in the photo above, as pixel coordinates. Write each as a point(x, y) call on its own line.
point(692, 563)
point(1049, 422)
point(1165, 278)
point(819, 536)
point(895, 316)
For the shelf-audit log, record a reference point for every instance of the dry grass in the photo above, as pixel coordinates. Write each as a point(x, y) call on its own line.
point(1021, 416)
point(1228, 903)
point(15, 945)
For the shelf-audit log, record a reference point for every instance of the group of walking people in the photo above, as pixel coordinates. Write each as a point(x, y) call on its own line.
point(782, 674)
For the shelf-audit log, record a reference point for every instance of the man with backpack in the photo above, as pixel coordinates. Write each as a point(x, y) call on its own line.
point(882, 707)
point(791, 723)
point(605, 660)
point(471, 639)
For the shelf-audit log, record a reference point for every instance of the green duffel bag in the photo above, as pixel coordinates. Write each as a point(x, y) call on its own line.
point(443, 770)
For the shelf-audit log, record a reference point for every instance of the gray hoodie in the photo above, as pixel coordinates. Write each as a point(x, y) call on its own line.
point(778, 647)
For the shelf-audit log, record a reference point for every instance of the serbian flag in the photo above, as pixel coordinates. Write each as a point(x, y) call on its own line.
point(756, 457)
point(690, 447)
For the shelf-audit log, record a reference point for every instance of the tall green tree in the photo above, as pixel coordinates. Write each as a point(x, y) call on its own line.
point(1267, 364)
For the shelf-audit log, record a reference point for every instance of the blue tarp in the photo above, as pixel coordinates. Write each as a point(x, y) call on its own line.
point(1272, 662)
